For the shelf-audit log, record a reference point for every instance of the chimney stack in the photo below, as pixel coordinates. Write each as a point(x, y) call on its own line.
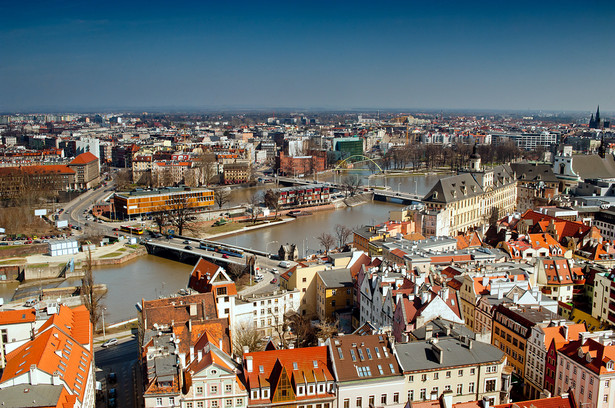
point(249, 364)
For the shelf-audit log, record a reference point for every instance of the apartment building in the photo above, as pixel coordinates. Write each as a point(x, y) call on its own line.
point(87, 170)
point(298, 378)
point(366, 371)
point(471, 370)
point(586, 367)
point(334, 292)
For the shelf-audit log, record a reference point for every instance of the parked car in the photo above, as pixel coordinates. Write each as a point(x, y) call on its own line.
point(188, 247)
point(274, 280)
point(110, 342)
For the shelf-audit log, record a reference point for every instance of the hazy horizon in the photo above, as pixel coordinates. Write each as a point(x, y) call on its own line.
point(471, 56)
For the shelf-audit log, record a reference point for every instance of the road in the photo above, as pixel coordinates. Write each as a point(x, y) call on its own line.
point(122, 360)
point(73, 211)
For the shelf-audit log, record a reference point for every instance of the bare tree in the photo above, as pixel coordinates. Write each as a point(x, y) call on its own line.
point(91, 299)
point(351, 183)
point(160, 218)
point(181, 213)
point(246, 335)
point(272, 200)
point(255, 202)
point(301, 327)
point(342, 233)
point(206, 163)
point(327, 241)
point(123, 180)
point(222, 196)
point(327, 329)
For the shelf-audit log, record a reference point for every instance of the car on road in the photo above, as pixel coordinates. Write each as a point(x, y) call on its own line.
point(112, 377)
point(110, 342)
point(225, 256)
point(274, 280)
point(188, 247)
point(186, 241)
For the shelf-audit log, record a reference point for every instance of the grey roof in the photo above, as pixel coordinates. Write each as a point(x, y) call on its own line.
point(26, 395)
point(335, 278)
point(454, 188)
point(534, 172)
point(419, 355)
point(593, 166)
point(443, 328)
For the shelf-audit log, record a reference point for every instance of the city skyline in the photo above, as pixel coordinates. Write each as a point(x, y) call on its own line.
point(313, 55)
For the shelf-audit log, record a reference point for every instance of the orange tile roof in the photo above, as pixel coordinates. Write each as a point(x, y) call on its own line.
point(84, 158)
point(17, 316)
point(39, 169)
point(47, 351)
point(557, 271)
point(74, 322)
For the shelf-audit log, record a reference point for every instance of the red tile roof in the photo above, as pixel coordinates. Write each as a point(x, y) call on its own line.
point(84, 158)
point(17, 316)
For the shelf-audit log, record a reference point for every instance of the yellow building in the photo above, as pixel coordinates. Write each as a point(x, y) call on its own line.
point(303, 278)
point(333, 292)
point(139, 202)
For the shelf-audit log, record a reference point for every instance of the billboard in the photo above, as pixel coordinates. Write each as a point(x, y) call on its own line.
point(40, 213)
point(61, 223)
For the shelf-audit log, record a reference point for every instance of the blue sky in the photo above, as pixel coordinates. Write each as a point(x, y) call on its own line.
point(67, 55)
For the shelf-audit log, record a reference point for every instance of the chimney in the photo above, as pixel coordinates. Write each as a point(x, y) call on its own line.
point(428, 331)
point(565, 331)
point(485, 402)
point(182, 360)
point(33, 374)
point(515, 298)
point(246, 349)
point(249, 364)
point(424, 298)
point(55, 379)
point(220, 344)
point(200, 355)
point(190, 325)
point(437, 350)
point(470, 344)
point(191, 353)
point(192, 309)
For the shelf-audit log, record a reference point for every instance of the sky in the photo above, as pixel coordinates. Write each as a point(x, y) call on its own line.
point(216, 55)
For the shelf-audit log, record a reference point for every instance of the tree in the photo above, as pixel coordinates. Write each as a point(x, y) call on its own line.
point(91, 300)
point(272, 200)
point(160, 218)
point(246, 335)
point(222, 196)
point(301, 327)
point(206, 164)
point(255, 202)
point(351, 183)
point(327, 241)
point(327, 329)
point(123, 180)
point(180, 214)
point(342, 233)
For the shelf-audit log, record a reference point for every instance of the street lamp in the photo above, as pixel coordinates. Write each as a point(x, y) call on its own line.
point(103, 317)
point(399, 187)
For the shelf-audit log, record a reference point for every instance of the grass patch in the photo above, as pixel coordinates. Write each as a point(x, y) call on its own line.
point(112, 255)
point(130, 246)
point(39, 265)
point(228, 227)
point(13, 261)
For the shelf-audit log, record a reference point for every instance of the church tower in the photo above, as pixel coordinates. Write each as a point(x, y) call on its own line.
point(594, 121)
point(475, 160)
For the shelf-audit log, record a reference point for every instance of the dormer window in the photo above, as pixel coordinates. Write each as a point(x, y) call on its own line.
point(580, 352)
point(609, 365)
point(588, 358)
point(300, 390)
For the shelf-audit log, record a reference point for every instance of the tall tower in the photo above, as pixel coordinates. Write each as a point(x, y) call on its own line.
point(474, 160)
point(594, 121)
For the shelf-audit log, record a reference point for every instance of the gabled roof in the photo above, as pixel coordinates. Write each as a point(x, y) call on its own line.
point(177, 309)
point(310, 363)
point(17, 316)
point(454, 188)
point(52, 351)
point(557, 271)
point(193, 333)
point(74, 322)
point(599, 354)
point(84, 158)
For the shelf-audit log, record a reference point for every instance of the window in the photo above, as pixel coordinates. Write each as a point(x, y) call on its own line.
point(490, 385)
point(396, 398)
point(171, 401)
point(582, 390)
point(159, 402)
point(392, 368)
point(447, 387)
point(448, 374)
point(459, 389)
point(188, 404)
point(265, 393)
point(347, 403)
point(214, 404)
point(589, 394)
point(383, 399)
point(254, 394)
point(605, 398)
point(228, 388)
point(199, 390)
point(436, 375)
point(371, 400)
point(410, 395)
point(472, 371)
point(471, 388)
point(214, 389)
point(424, 377)
point(380, 369)
point(460, 373)
point(410, 378)
point(239, 402)
point(423, 394)
point(199, 404)
point(359, 402)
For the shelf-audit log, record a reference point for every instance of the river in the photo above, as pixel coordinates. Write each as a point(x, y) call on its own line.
point(149, 276)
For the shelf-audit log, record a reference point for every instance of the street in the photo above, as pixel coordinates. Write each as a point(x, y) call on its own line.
point(121, 359)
